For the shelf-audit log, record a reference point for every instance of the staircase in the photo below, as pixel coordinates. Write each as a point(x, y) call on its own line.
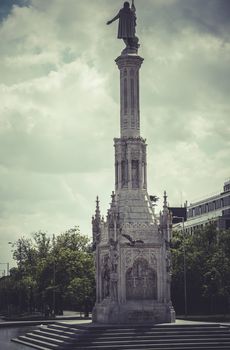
point(159, 337)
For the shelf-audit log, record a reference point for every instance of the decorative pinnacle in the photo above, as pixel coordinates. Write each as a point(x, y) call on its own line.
point(113, 197)
point(165, 206)
point(97, 211)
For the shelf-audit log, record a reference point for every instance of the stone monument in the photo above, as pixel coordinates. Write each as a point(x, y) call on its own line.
point(132, 255)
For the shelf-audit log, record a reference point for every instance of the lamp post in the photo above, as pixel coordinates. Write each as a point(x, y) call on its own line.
point(7, 268)
point(54, 282)
point(3, 273)
point(54, 279)
point(185, 266)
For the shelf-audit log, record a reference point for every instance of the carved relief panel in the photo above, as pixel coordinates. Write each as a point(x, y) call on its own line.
point(141, 281)
point(105, 276)
point(141, 273)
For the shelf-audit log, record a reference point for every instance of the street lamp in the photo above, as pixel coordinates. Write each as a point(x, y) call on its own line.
point(185, 267)
point(3, 273)
point(7, 267)
point(54, 280)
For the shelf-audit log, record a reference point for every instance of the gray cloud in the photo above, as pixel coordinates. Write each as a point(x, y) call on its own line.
point(6, 6)
point(211, 16)
point(59, 107)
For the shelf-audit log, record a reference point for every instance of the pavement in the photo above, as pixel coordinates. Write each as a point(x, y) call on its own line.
point(68, 316)
point(72, 317)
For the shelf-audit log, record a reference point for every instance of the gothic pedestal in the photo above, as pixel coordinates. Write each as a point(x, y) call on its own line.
point(133, 312)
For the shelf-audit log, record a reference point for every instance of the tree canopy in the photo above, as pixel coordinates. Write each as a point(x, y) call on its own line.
point(207, 257)
point(52, 272)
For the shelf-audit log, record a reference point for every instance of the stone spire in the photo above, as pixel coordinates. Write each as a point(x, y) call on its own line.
point(166, 219)
point(97, 211)
point(165, 205)
point(96, 223)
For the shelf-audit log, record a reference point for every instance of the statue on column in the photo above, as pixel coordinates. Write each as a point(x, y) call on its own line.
point(127, 26)
point(114, 267)
point(106, 278)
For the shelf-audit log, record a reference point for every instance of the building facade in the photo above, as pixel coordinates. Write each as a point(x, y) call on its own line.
point(214, 209)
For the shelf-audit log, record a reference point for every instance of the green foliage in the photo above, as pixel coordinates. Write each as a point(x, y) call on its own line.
point(207, 255)
point(51, 273)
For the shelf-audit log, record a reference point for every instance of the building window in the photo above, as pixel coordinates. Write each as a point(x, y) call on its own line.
point(226, 201)
point(211, 206)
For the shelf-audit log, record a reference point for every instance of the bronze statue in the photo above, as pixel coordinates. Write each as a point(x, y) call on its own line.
point(127, 25)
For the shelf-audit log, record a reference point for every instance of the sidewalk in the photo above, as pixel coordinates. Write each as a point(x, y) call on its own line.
point(68, 316)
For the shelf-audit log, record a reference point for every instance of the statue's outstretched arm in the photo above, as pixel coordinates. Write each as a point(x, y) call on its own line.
point(113, 19)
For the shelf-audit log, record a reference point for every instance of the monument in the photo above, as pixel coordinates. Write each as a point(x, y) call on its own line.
point(132, 255)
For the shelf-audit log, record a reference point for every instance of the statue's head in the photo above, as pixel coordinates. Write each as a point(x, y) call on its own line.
point(126, 4)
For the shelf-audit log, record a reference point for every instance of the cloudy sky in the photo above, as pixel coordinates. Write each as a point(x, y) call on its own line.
point(59, 109)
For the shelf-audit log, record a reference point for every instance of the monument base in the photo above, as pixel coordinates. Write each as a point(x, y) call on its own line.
point(133, 312)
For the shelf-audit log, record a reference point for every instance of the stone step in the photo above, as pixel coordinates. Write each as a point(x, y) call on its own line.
point(136, 334)
point(65, 336)
point(138, 326)
point(174, 333)
point(48, 338)
point(115, 330)
point(178, 345)
point(120, 332)
point(46, 333)
point(59, 331)
point(169, 347)
point(133, 332)
point(67, 328)
point(110, 338)
point(156, 341)
point(154, 338)
point(24, 342)
point(173, 329)
point(34, 343)
point(45, 339)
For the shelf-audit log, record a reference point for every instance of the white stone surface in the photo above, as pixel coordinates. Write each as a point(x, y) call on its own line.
point(132, 257)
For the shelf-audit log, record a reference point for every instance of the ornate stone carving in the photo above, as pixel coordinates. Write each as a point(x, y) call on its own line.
point(138, 252)
point(141, 281)
point(113, 285)
point(128, 258)
point(105, 277)
point(114, 256)
point(153, 259)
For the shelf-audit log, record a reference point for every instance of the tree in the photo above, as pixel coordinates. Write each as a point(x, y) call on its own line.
point(55, 272)
point(208, 270)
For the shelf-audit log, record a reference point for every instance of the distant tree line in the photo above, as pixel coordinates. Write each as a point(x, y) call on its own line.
point(52, 274)
point(207, 258)
point(57, 273)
